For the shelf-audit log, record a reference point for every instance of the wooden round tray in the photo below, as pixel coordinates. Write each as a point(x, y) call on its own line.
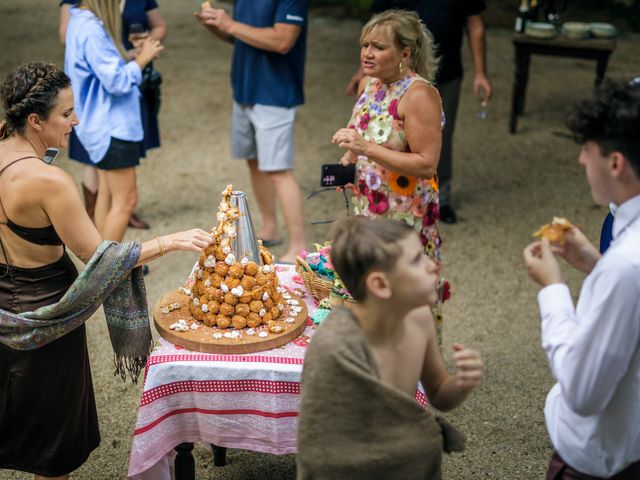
point(201, 340)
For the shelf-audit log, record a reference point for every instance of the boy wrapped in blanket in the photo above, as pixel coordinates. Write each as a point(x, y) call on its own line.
point(359, 418)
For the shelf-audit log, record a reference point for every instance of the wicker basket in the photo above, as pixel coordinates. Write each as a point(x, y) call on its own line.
point(337, 300)
point(316, 285)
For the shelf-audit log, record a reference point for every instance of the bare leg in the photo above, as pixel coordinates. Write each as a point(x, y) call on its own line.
point(103, 202)
point(90, 178)
point(121, 183)
point(290, 198)
point(265, 193)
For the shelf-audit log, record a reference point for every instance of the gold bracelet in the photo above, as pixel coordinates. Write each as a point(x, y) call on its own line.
point(161, 245)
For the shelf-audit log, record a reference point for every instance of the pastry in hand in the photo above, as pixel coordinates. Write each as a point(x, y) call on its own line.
point(554, 231)
point(206, 4)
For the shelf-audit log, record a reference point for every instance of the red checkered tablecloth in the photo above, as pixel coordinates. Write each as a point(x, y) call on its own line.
point(237, 401)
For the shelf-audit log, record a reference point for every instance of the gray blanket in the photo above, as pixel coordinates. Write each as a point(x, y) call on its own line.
point(354, 426)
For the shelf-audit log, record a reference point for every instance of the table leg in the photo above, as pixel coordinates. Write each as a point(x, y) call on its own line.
point(185, 465)
point(523, 58)
point(219, 455)
point(601, 67)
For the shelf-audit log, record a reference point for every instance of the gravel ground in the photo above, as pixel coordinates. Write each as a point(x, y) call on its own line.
point(506, 185)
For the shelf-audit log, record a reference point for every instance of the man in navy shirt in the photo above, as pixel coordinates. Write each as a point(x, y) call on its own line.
point(267, 74)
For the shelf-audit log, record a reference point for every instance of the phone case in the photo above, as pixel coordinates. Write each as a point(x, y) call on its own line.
point(50, 155)
point(337, 175)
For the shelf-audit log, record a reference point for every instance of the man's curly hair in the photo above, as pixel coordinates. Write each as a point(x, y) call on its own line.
point(611, 119)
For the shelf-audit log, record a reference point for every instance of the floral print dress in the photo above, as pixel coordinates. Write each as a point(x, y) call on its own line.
point(380, 192)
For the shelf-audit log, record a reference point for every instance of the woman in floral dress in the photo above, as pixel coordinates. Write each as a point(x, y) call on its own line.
point(394, 135)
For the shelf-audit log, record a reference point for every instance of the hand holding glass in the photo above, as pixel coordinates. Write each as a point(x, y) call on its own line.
point(137, 34)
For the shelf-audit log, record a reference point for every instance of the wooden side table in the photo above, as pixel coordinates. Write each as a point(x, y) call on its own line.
point(525, 46)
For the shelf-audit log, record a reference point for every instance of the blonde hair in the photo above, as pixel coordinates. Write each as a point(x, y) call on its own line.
point(408, 31)
point(109, 12)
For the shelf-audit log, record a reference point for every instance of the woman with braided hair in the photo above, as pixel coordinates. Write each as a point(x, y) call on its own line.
point(48, 422)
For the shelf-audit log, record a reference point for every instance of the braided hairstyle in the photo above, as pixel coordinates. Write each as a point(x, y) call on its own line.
point(29, 88)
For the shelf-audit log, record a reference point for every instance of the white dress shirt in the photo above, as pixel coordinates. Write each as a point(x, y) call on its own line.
point(593, 412)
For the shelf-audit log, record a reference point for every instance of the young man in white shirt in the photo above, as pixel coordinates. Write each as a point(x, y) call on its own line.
point(593, 411)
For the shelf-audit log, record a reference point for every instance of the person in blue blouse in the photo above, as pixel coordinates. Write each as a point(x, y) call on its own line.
point(146, 16)
point(107, 101)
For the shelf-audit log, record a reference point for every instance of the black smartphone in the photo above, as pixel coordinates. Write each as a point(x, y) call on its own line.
point(337, 175)
point(50, 155)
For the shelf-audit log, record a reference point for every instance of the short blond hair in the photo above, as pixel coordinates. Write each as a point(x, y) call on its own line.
point(109, 12)
point(408, 31)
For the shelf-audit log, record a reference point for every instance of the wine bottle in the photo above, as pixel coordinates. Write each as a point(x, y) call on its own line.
point(522, 16)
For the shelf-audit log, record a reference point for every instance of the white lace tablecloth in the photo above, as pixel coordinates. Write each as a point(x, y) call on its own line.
point(237, 401)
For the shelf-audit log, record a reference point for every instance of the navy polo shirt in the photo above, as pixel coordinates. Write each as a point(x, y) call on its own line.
point(269, 78)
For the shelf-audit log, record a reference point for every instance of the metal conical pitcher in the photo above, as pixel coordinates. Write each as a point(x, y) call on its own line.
point(245, 244)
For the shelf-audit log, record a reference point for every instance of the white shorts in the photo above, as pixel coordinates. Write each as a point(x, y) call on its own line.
point(265, 133)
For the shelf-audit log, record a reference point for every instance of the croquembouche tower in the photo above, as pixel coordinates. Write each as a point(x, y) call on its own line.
point(235, 281)
point(232, 301)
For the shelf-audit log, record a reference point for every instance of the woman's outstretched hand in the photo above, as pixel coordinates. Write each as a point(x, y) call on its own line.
point(195, 240)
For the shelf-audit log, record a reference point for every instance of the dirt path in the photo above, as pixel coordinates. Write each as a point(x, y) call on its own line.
point(506, 185)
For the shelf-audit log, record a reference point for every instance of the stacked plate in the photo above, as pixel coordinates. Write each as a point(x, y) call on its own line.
point(540, 30)
point(576, 30)
point(603, 30)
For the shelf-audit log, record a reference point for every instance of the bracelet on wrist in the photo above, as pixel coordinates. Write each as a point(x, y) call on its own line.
point(161, 246)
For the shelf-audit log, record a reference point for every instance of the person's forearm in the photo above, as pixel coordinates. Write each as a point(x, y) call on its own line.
point(159, 32)
point(268, 38)
point(406, 163)
point(477, 45)
point(220, 34)
point(64, 22)
point(155, 248)
point(449, 395)
point(142, 61)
